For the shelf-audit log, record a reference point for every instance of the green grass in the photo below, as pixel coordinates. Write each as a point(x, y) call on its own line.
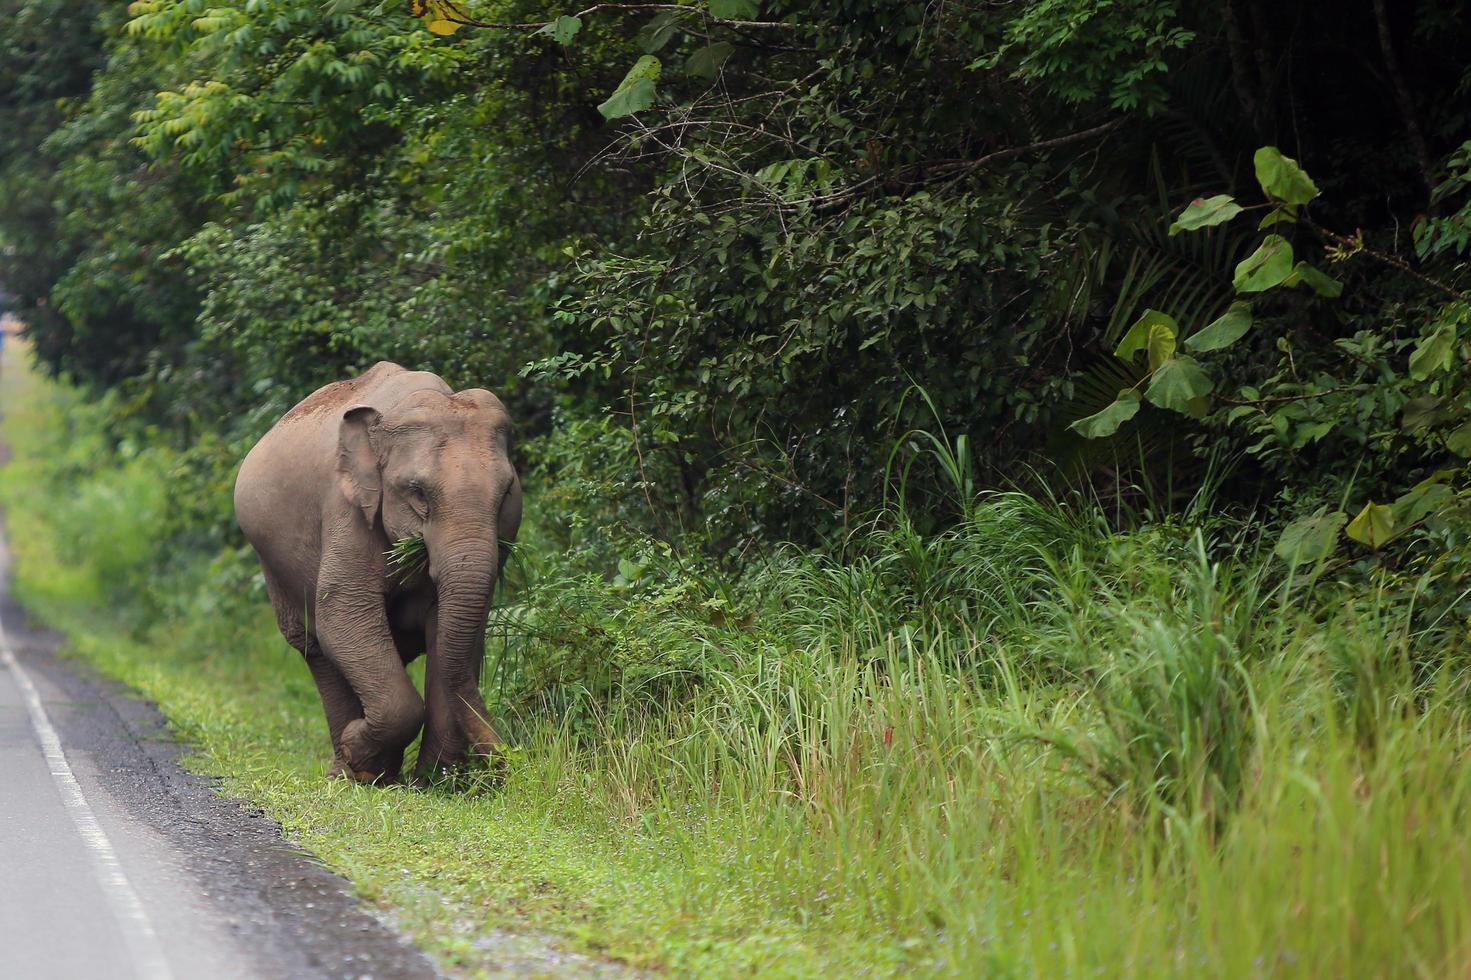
point(1029, 746)
point(408, 557)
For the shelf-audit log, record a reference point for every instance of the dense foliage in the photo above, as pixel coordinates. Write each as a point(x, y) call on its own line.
point(710, 308)
point(781, 294)
point(1028, 746)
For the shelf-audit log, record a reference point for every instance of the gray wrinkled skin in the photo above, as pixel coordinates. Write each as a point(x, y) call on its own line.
point(354, 467)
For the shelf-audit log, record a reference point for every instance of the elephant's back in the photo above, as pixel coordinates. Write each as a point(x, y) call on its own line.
point(282, 478)
point(331, 400)
point(285, 475)
point(279, 485)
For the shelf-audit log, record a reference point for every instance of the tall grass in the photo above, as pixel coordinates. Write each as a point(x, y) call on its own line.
point(1029, 744)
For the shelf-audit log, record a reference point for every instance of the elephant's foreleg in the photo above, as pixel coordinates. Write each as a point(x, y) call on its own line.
point(353, 629)
point(457, 722)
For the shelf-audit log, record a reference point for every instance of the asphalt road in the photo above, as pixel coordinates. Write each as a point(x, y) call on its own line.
point(116, 863)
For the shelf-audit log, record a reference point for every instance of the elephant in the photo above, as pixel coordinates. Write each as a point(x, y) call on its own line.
point(324, 495)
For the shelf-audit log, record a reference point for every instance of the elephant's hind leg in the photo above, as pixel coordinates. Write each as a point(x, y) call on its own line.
point(339, 702)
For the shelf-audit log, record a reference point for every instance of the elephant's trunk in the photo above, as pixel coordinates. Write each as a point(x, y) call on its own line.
point(464, 571)
point(465, 575)
point(464, 562)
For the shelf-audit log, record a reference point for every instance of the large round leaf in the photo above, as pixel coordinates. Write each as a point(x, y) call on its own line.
point(1107, 422)
point(1203, 212)
point(1268, 266)
point(706, 62)
point(1224, 330)
point(1374, 525)
point(1316, 280)
point(1281, 177)
point(1178, 382)
point(1154, 333)
point(636, 92)
point(629, 99)
point(1434, 354)
point(563, 29)
point(1310, 539)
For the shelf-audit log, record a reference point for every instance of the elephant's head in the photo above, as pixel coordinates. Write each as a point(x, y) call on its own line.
point(439, 465)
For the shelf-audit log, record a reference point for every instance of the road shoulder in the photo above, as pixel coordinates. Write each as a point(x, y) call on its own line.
point(223, 887)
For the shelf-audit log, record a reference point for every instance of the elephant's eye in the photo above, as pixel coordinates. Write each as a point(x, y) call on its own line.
point(417, 494)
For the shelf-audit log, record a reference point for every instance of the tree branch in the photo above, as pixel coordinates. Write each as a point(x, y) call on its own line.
point(1016, 151)
point(1356, 244)
point(1280, 399)
point(1240, 53)
point(1402, 96)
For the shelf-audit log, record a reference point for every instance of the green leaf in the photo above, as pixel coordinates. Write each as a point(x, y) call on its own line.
point(1320, 282)
point(629, 573)
point(1420, 413)
point(628, 99)
point(1203, 212)
point(1282, 178)
point(1107, 422)
point(636, 92)
point(1374, 525)
point(645, 68)
point(1311, 432)
point(1421, 502)
point(706, 62)
point(735, 9)
point(658, 31)
point(563, 29)
point(1308, 540)
point(1459, 441)
point(1177, 383)
point(408, 557)
point(1155, 333)
point(1433, 354)
point(442, 17)
point(1223, 331)
point(1439, 476)
point(1286, 213)
point(1266, 267)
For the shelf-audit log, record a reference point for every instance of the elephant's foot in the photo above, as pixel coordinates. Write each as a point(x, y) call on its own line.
point(371, 777)
point(360, 760)
point(465, 773)
point(445, 754)
point(480, 738)
point(458, 736)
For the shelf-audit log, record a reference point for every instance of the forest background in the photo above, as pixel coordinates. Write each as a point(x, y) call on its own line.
point(834, 334)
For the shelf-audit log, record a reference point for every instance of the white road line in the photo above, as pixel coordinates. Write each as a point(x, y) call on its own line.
point(149, 962)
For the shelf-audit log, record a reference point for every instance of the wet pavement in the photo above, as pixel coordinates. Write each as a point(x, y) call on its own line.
point(115, 862)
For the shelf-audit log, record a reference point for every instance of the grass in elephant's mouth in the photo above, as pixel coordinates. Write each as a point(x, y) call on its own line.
point(408, 557)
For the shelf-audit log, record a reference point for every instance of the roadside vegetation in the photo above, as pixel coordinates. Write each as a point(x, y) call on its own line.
point(997, 474)
point(1028, 744)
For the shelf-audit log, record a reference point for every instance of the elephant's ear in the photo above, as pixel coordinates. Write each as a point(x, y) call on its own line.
point(357, 461)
